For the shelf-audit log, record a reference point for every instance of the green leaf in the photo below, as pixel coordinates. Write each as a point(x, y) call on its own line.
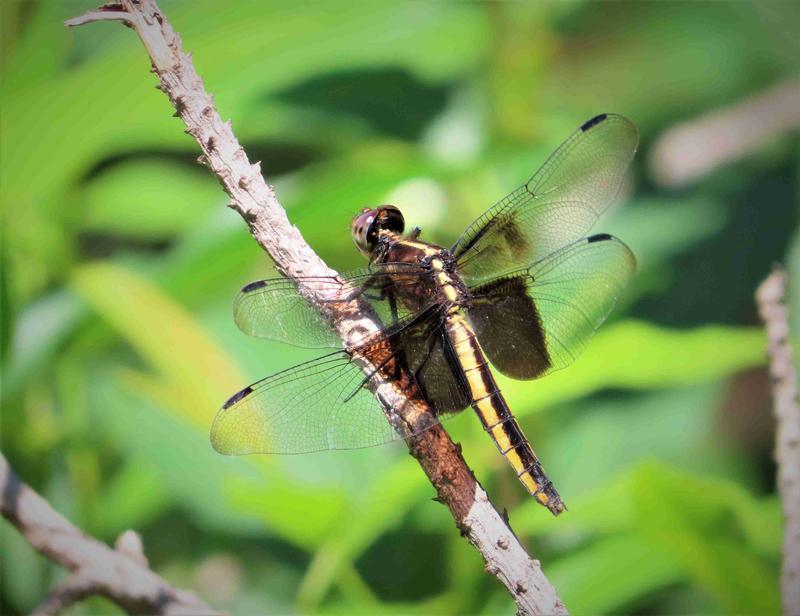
point(134, 496)
point(607, 509)
point(698, 522)
point(173, 343)
point(612, 573)
point(24, 570)
point(362, 523)
point(636, 355)
point(237, 62)
point(151, 198)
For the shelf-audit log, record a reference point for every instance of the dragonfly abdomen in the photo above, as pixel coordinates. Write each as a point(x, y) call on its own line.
point(495, 415)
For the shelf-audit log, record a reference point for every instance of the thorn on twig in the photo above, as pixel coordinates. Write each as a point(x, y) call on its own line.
point(180, 105)
point(130, 544)
point(211, 144)
point(106, 12)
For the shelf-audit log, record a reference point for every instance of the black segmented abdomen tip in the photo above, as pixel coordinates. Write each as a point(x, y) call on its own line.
point(599, 237)
point(237, 396)
point(593, 122)
point(253, 286)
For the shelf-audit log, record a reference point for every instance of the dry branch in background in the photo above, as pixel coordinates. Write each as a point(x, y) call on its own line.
point(771, 297)
point(257, 203)
point(120, 574)
point(697, 147)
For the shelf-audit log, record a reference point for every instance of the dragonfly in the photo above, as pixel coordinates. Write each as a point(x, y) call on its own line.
point(521, 292)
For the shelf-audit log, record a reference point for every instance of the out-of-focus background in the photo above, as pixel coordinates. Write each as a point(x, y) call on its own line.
point(120, 261)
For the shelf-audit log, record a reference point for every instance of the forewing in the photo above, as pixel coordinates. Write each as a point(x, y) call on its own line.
point(534, 321)
point(274, 308)
point(558, 205)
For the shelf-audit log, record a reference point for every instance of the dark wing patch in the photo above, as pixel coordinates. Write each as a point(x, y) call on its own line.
point(567, 296)
point(509, 328)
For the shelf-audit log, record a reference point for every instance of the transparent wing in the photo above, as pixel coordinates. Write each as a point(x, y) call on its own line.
point(557, 206)
point(315, 406)
point(274, 308)
point(325, 403)
point(537, 320)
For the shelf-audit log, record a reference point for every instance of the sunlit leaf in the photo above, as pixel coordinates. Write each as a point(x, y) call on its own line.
point(693, 521)
point(636, 355)
point(148, 198)
point(163, 333)
point(613, 573)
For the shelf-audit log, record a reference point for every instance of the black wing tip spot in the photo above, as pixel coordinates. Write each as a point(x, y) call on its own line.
point(258, 284)
point(599, 237)
point(589, 124)
point(237, 396)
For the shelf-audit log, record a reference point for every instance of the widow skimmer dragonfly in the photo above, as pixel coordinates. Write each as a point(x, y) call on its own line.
point(523, 288)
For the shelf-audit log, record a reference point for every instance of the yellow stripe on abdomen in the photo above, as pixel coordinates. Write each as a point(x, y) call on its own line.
point(491, 408)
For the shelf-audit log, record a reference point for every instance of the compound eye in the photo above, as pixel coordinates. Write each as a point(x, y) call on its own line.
point(364, 230)
point(392, 219)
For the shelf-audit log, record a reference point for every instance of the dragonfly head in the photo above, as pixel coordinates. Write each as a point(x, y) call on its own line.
point(370, 222)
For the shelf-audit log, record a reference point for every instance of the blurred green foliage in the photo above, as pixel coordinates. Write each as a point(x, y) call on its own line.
point(119, 262)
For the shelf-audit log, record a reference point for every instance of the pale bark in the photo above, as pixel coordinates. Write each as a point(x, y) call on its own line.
point(771, 296)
